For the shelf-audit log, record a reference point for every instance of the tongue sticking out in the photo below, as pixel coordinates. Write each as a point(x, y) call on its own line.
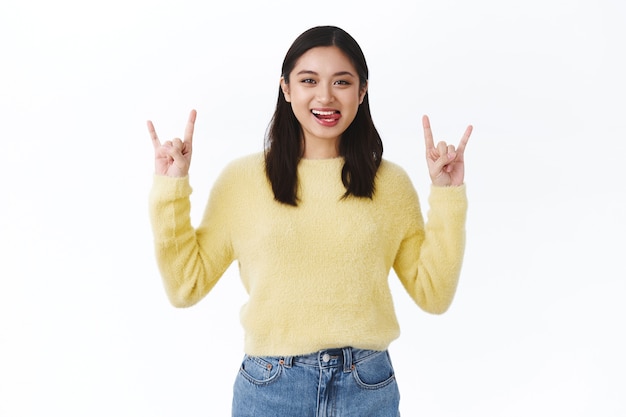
point(328, 116)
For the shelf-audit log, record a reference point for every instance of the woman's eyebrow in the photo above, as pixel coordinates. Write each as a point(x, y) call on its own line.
point(339, 73)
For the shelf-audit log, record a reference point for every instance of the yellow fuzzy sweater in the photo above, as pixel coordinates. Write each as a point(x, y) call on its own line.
point(316, 274)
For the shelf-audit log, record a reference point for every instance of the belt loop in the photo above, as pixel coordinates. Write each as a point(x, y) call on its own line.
point(347, 359)
point(287, 361)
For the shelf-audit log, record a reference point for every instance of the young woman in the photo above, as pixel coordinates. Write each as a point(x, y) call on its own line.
point(315, 222)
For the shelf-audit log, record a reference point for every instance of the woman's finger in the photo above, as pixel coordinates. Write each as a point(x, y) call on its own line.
point(442, 149)
point(428, 133)
point(443, 158)
point(177, 157)
point(465, 139)
point(178, 144)
point(451, 151)
point(153, 135)
point(190, 127)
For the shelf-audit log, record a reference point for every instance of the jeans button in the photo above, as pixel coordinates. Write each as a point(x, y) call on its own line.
point(326, 357)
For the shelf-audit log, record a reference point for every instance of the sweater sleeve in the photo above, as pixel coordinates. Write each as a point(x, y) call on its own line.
point(429, 259)
point(190, 261)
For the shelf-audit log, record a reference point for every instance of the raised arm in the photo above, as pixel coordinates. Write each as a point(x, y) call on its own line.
point(190, 266)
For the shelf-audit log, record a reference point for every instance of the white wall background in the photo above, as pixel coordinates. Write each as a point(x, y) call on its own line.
point(538, 324)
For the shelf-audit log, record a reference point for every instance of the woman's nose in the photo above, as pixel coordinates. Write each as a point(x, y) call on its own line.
point(325, 94)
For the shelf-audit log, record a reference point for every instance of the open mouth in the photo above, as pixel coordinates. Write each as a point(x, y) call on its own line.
point(327, 115)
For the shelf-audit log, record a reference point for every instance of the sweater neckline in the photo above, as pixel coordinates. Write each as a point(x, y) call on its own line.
point(321, 160)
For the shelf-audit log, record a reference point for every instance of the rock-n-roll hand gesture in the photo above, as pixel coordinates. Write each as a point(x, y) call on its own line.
point(445, 164)
point(173, 157)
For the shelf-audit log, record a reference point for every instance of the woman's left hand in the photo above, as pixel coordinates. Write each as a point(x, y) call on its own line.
point(445, 163)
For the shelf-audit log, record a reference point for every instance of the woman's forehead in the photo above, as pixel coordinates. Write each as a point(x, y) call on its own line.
point(326, 60)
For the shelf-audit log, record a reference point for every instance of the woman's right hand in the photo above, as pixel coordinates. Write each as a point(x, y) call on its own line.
point(173, 157)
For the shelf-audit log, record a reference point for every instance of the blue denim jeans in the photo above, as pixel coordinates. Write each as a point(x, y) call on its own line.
point(330, 383)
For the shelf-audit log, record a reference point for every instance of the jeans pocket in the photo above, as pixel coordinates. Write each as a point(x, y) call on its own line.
point(374, 371)
point(260, 370)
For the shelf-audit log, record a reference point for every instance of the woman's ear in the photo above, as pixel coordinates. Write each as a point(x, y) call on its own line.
point(285, 87)
point(362, 93)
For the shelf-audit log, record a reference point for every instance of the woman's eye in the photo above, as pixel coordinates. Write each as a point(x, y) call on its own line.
point(308, 81)
point(342, 82)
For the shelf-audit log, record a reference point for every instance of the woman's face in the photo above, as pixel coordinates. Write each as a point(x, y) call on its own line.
point(324, 93)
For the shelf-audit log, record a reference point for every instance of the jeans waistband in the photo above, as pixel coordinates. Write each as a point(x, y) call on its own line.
point(331, 358)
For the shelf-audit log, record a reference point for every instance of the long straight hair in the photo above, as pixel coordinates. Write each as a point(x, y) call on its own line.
point(360, 144)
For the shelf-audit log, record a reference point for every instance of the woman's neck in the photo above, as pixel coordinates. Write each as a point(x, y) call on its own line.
point(321, 149)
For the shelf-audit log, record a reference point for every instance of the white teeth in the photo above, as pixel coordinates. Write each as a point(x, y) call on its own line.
point(322, 113)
